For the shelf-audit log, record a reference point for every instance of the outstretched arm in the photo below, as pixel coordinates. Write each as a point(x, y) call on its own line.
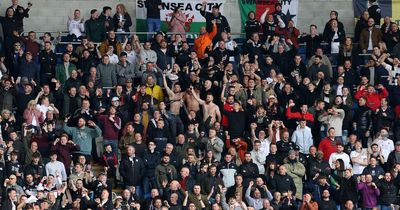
point(196, 96)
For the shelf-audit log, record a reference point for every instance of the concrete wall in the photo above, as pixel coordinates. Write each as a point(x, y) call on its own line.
point(52, 15)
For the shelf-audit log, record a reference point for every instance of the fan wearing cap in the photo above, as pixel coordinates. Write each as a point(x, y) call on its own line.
point(220, 20)
point(296, 170)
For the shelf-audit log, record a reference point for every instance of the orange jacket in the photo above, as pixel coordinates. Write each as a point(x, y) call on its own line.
point(203, 41)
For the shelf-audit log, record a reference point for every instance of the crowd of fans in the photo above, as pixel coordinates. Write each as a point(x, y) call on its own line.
point(169, 123)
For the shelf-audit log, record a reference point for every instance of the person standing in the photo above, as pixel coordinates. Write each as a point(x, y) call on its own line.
point(374, 11)
point(220, 20)
point(20, 13)
point(153, 16)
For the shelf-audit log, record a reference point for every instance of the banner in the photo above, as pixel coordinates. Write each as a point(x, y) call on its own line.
point(389, 8)
point(191, 8)
point(289, 7)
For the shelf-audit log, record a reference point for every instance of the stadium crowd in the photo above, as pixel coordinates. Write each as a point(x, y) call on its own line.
point(166, 122)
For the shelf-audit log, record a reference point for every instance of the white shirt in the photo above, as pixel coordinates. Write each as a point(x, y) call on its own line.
point(113, 58)
point(386, 145)
point(358, 168)
point(370, 45)
point(265, 146)
point(131, 57)
point(44, 109)
point(75, 27)
point(259, 159)
point(335, 156)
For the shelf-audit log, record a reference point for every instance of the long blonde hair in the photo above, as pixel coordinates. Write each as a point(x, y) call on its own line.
point(123, 8)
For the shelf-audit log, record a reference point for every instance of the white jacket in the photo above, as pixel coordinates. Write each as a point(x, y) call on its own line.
point(303, 138)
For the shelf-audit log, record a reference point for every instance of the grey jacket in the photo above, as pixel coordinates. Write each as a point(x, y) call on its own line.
point(107, 74)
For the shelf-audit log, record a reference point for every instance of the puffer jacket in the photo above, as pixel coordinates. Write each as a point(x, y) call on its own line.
point(362, 117)
point(388, 192)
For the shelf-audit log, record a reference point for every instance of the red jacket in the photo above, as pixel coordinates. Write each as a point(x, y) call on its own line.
point(373, 99)
point(228, 108)
point(240, 145)
point(298, 115)
point(327, 146)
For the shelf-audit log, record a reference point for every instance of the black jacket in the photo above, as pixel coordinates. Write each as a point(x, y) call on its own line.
point(388, 192)
point(222, 23)
point(48, 61)
point(363, 118)
point(252, 26)
point(151, 160)
point(132, 171)
point(249, 171)
point(127, 22)
point(312, 43)
point(283, 183)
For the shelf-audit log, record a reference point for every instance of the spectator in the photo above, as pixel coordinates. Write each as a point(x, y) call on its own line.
point(204, 41)
point(369, 191)
point(375, 11)
point(153, 16)
point(48, 61)
point(359, 158)
point(308, 203)
point(371, 33)
point(252, 25)
point(361, 24)
point(165, 172)
point(56, 168)
point(326, 202)
point(83, 140)
point(107, 73)
point(63, 71)
point(132, 169)
point(94, 28)
point(215, 17)
point(178, 23)
point(328, 145)
point(20, 13)
point(121, 21)
point(75, 26)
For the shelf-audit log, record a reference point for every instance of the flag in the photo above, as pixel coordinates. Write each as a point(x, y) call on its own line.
point(191, 8)
point(289, 7)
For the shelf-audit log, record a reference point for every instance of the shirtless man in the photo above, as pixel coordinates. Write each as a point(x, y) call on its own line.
point(176, 101)
point(191, 103)
point(210, 110)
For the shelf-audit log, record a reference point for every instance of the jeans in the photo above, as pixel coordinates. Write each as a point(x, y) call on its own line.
point(148, 184)
point(153, 25)
point(345, 133)
point(385, 207)
point(176, 124)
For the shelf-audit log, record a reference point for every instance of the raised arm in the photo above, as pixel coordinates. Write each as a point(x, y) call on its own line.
point(264, 15)
point(201, 102)
point(169, 91)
